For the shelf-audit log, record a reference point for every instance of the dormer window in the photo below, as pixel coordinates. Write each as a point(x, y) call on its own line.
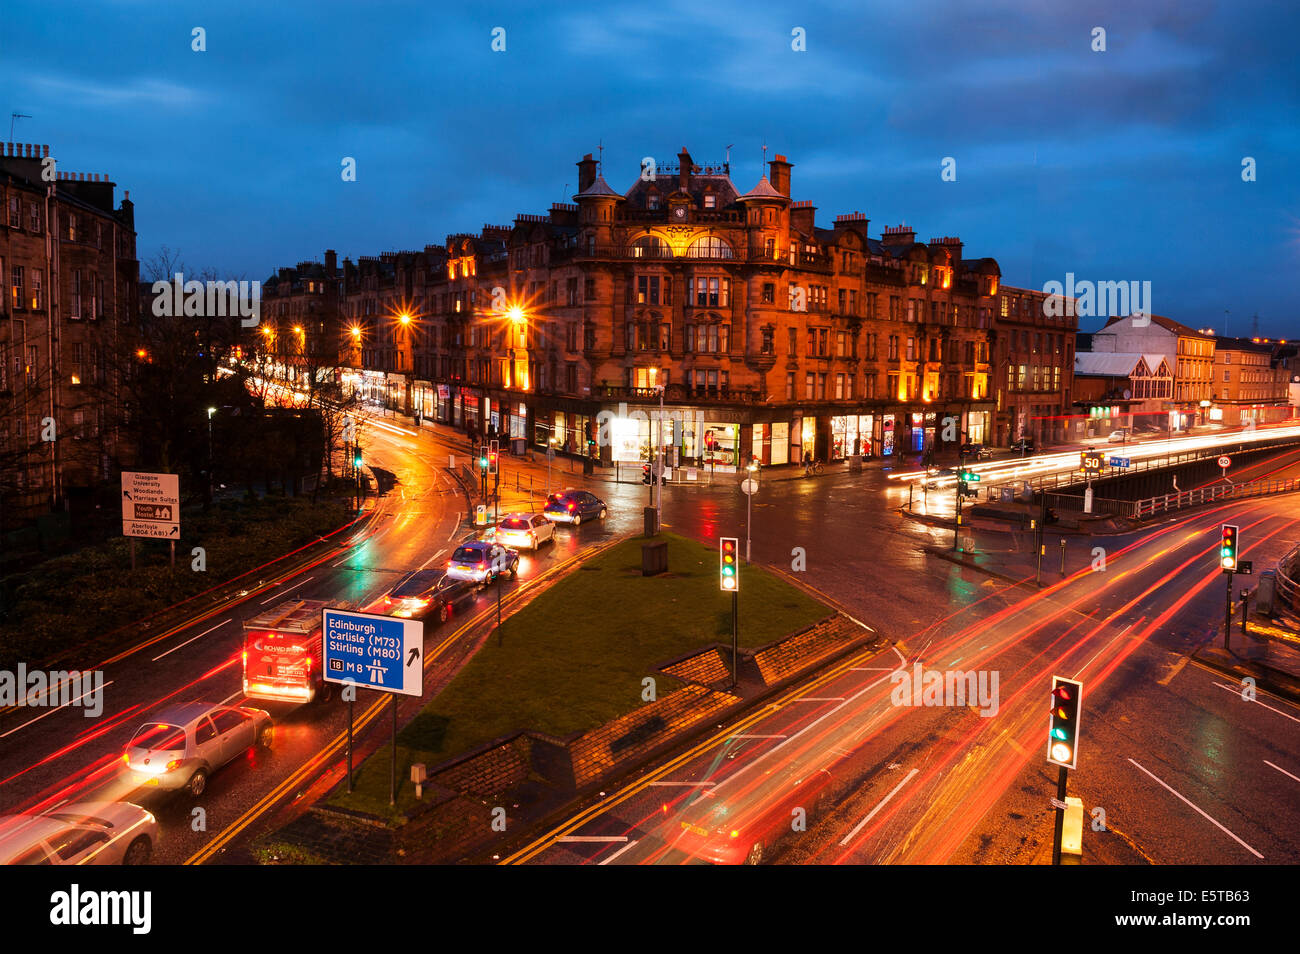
point(710, 201)
point(652, 201)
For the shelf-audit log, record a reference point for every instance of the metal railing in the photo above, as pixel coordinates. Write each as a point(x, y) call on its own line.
point(1287, 581)
point(1074, 478)
point(1100, 505)
point(1142, 509)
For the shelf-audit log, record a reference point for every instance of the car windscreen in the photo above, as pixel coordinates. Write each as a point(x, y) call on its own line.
point(515, 523)
point(416, 584)
point(468, 555)
point(159, 735)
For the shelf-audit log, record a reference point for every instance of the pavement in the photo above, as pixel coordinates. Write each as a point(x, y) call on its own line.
point(1268, 652)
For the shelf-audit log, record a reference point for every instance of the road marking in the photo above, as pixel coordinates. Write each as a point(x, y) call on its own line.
point(1237, 692)
point(1282, 770)
point(1201, 813)
point(594, 839)
point(820, 699)
point(188, 641)
point(686, 784)
point(1178, 667)
point(619, 852)
point(5, 735)
point(287, 592)
point(860, 825)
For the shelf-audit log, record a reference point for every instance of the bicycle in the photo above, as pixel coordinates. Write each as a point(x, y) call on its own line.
point(813, 468)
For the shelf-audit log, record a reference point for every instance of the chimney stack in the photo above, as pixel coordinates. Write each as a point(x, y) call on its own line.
point(684, 167)
point(586, 172)
point(780, 175)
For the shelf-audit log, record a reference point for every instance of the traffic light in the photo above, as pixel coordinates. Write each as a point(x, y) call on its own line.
point(730, 577)
point(1063, 726)
point(483, 457)
point(645, 474)
point(356, 458)
point(494, 456)
point(964, 479)
point(1228, 551)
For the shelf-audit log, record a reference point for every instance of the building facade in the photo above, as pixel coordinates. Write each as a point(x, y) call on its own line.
point(1250, 384)
point(1189, 352)
point(68, 257)
point(763, 336)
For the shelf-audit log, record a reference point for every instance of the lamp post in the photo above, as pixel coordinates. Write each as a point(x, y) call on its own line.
point(211, 411)
point(659, 465)
point(750, 486)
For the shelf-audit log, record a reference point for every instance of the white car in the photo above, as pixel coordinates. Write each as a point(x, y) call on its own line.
point(1118, 436)
point(83, 833)
point(528, 530)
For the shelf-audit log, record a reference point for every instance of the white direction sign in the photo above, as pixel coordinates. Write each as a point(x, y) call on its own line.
point(151, 505)
point(374, 652)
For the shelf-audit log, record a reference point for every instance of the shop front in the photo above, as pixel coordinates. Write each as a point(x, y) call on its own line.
point(851, 435)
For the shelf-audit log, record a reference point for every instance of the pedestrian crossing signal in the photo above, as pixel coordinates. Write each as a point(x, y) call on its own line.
point(730, 575)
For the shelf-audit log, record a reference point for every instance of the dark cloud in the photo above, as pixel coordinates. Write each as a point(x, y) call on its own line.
point(1123, 164)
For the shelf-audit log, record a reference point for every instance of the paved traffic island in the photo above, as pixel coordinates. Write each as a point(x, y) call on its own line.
point(597, 673)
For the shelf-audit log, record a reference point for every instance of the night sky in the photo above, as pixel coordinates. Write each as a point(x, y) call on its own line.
point(1120, 165)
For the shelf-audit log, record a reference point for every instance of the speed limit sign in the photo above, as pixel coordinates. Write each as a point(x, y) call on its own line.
point(1225, 462)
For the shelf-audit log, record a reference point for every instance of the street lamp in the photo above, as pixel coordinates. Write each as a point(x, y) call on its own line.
point(750, 487)
point(211, 411)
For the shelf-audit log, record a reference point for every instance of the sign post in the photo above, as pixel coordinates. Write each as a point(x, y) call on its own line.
point(377, 652)
point(1224, 463)
point(750, 487)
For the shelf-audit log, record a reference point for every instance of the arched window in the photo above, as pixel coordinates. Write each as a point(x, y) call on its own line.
point(651, 246)
point(709, 247)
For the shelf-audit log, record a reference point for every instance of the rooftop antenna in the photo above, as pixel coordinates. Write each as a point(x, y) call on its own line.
point(728, 166)
point(12, 117)
point(600, 161)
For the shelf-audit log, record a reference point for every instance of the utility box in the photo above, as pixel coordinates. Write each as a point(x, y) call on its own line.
point(1072, 832)
point(651, 517)
point(654, 557)
point(1265, 592)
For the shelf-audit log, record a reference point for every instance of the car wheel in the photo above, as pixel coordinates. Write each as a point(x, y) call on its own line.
point(444, 614)
point(325, 692)
point(603, 513)
point(577, 519)
point(532, 541)
point(138, 852)
point(755, 855)
point(197, 783)
point(514, 569)
point(266, 736)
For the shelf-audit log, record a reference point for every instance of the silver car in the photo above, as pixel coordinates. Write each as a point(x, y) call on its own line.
point(83, 833)
point(185, 744)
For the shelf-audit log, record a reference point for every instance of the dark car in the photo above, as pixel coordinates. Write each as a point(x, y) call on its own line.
point(1024, 446)
point(480, 562)
point(428, 592)
point(975, 451)
point(574, 506)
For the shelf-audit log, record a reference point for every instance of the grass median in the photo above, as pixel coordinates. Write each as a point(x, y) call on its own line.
point(574, 657)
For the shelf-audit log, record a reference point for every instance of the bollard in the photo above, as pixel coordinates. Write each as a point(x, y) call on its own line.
point(1062, 556)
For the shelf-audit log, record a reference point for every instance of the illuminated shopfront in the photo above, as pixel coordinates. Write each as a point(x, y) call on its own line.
point(851, 435)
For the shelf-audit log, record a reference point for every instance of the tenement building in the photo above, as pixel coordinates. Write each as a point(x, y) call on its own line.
point(68, 258)
point(762, 335)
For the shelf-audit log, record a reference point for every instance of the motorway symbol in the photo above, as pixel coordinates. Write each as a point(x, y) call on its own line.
point(369, 650)
point(1121, 462)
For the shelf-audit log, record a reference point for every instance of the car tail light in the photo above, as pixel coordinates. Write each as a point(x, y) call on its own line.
point(172, 764)
point(423, 602)
point(126, 757)
point(570, 506)
point(735, 833)
point(482, 566)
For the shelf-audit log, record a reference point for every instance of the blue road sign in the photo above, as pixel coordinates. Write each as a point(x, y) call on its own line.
point(374, 652)
point(1121, 461)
